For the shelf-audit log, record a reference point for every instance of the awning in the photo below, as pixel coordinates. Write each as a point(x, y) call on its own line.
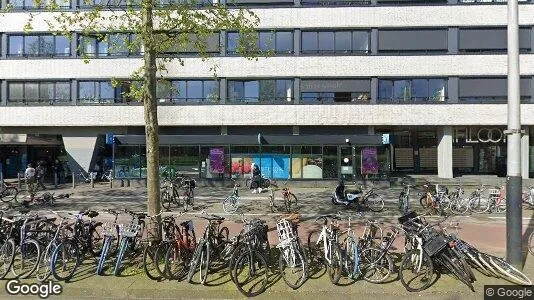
point(362, 140)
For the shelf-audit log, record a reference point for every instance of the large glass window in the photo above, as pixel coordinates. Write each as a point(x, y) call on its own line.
point(260, 90)
point(323, 91)
point(96, 92)
point(335, 42)
point(412, 90)
point(127, 161)
point(113, 44)
point(278, 42)
point(33, 5)
point(188, 91)
point(38, 45)
point(38, 92)
point(307, 162)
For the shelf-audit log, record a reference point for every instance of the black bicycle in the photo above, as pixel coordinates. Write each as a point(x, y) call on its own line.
point(8, 193)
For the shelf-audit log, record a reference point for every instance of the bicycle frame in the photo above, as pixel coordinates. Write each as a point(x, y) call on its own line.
point(326, 236)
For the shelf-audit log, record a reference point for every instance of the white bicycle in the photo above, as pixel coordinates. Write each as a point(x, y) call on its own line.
point(324, 247)
point(232, 202)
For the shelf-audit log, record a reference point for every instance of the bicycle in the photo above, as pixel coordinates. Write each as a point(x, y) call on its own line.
point(351, 252)
point(107, 176)
point(232, 202)
point(528, 197)
point(459, 203)
point(404, 198)
point(168, 198)
point(47, 198)
point(292, 259)
point(211, 244)
point(264, 182)
point(8, 193)
point(111, 240)
point(325, 248)
point(435, 201)
point(290, 200)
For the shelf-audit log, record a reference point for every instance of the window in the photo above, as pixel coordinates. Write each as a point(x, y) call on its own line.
point(490, 90)
point(329, 91)
point(164, 3)
point(38, 45)
point(490, 40)
point(412, 41)
point(112, 3)
point(411, 90)
point(47, 92)
point(278, 42)
point(96, 92)
point(32, 5)
point(188, 91)
point(335, 2)
point(102, 45)
point(335, 42)
point(260, 90)
point(188, 43)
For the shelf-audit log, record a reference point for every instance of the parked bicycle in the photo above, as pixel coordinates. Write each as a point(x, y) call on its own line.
point(323, 246)
point(171, 194)
point(232, 202)
point(8, 193)
point(292, 260)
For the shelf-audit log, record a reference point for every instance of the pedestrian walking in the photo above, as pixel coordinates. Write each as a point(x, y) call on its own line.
point(40, 174)
point(58, 169)
point(256, 177)
point(29, 176)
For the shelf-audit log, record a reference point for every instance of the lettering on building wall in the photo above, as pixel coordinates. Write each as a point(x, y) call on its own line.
point(479, 135)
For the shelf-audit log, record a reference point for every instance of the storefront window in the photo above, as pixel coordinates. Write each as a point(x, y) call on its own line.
point(127, 162)
point(307, 162)
point(214, 162)
point(183, 161)
point(242, 160)
point(330, 160)
point(164, 165)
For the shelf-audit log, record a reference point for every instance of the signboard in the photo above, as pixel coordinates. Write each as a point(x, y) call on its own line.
point(217, 160)
point(369, 160)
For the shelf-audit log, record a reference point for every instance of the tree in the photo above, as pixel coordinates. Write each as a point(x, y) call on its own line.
point(158, 27)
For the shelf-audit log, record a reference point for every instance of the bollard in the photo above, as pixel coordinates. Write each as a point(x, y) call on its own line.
point(55, 180)
point(92, 180)
point(128, 182)
point(73, 181)
point(111, 183)
point(122, 182)
point(19, 184)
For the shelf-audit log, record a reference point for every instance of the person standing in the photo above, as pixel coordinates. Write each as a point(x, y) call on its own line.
point(256, 179)
point(40, 174)
point(58, 169)
point(29, 175)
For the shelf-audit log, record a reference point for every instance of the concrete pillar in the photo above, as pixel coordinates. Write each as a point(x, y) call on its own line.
point(296, 130)
point(222, 42)
point(452, 89)
point(297, 34)
point(224, 130)
point(452, 1)
point(370, 130)
point(74, 44)
point(374, 2)
point(296, 90)
point(532, 89)
point(374, 41)
point(452, 40)
point(445, 152)
point(223, 90)
point(297, 2)
point(374, 90)
point(81, 150)
point(3, 45)
point(525, 153)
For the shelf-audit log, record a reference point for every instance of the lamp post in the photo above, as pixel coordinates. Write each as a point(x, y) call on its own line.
point(513, 179)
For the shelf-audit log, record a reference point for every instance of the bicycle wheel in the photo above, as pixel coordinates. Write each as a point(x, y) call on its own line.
point(166, 200)
point(150, 261)
point(459, 206)
point(9, 194)
point(204, 262)
point(531, 243)
point(501, 206)
point(230, 204)
point(452, 265)
point(195, 261)
point(176, 261)
point(375, 265)
point(508, 272)
point(7, 254)
point(375, 203)
point(43, 270)
point(290, 201)
point(97, 239)
point(65, 260)
point(416, 271)
point(315, 250)
point(335, 267)
point(251, 273)
point(26, 258)
point(479, 205)
point(352, 258)
point(292, 266)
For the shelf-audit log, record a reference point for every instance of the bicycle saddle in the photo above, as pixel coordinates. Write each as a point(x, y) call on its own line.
point(211, 217)
point(111, 211)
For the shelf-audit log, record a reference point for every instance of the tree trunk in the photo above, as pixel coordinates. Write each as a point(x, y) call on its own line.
point(151, 122)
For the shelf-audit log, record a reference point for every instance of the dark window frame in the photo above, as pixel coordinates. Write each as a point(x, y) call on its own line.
point(106, 39)
point(185, 98)
point(25, 7)
point(54, 100)
point(273, 48)
point(259, 100)
point(39, 37)
point(412, 99)
point(336, 51)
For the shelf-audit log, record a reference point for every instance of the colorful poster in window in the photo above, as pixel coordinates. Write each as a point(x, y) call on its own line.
point(217, 160)
point(369, 160)
point(274, 166)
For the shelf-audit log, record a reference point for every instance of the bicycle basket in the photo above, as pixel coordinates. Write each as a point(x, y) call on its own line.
point(434, 243)
point(108, 229)
point(494, 192)
point(129, 230)
point(285, 231)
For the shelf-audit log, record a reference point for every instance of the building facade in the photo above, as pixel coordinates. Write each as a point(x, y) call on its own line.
point(354, 88)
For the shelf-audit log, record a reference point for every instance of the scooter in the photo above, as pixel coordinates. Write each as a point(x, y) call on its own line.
point(351, 196)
